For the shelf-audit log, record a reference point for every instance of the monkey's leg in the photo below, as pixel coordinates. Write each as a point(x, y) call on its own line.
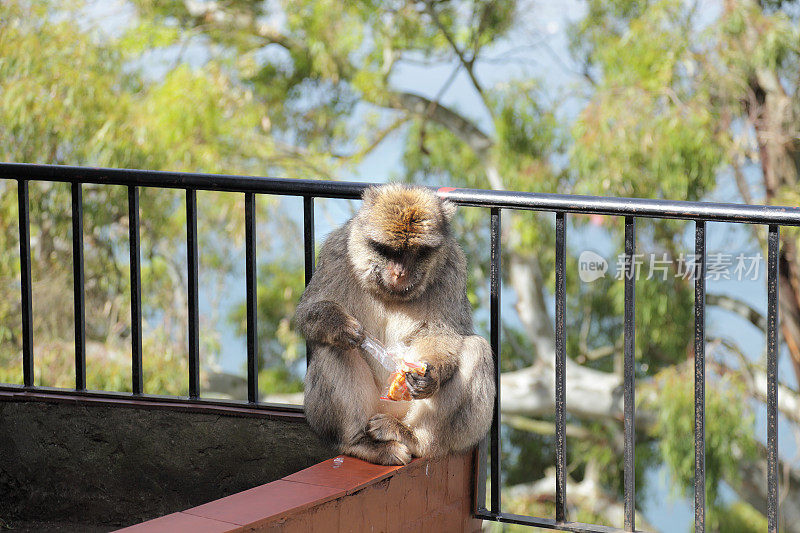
point(340, 397)
point(458, 415)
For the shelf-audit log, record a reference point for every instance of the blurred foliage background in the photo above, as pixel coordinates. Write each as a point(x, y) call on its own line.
point(666, 99)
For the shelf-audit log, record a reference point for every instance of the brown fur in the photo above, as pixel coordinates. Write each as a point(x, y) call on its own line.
point(402, 217)
point(395, 272)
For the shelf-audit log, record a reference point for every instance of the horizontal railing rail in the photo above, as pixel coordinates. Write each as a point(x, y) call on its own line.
point(566, 203)
point(497, 201)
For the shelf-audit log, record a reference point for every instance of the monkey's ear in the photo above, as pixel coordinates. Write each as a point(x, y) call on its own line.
point(448, 210)
point(369, 195)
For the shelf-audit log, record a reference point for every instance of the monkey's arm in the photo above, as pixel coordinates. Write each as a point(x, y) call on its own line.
point(320, 316)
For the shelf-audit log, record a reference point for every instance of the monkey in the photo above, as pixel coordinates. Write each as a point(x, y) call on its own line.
point(395, 272)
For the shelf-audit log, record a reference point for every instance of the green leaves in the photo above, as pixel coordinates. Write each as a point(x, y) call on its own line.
point(729, 423)
point(148, 35)
point(71, 97)
point(54, 83)
point(309, 88)
point(528, 135)
point(753, 39)
point(649, 129)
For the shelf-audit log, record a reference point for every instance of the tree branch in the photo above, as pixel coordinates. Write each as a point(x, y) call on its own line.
point(752, 488)
point(573, 431)
point(525, 276)
point(468, 64)
point(741, 182)
point(755, 380)
point(379, 138)
point(462, 128)
point(588, 495)
point(213, 13)
point(593, 395)
point(739, 307)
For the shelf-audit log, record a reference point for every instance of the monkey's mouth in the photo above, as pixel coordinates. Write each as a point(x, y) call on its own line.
point(399, 290)
point(406, 290)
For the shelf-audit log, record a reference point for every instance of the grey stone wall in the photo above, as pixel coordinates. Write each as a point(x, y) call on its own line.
point(115, 465)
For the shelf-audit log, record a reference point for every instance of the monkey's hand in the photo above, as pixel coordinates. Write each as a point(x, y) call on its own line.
point(382, 427)
point(423, 386)
point(333, 325)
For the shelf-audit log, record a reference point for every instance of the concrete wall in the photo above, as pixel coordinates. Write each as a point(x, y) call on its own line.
point(115, 463)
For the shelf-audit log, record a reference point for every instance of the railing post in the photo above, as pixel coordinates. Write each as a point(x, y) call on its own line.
point(629, 391)
point(773, 250)
point(194, 311)
point(561, 367)
point(78, 286)
point(308, 237)
point(699, 377)
point(137, 385)
point(252, 296)
point(25, 278)
point(308, 247)
point(495, 322)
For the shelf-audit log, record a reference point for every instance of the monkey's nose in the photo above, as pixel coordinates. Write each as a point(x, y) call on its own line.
point(398, 276)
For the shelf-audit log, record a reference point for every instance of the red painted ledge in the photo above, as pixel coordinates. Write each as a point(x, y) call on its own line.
point(342, 494)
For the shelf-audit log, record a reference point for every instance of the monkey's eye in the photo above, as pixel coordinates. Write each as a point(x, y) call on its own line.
point(424, 252)
point(386, 251)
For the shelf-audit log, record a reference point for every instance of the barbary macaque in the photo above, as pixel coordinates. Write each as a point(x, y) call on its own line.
point(395, 272)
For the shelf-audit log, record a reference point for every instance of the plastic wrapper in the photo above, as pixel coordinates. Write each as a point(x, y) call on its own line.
point(398, 360)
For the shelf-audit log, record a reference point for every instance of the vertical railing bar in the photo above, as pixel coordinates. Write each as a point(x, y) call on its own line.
point(699, 377)
point(495, 286)
point(25, 277)
point(773, 248)
point(480, 488)
point(137, 385)
point(308, 246)
point(629, 374)
point(560, 367)
point(483, 446)
point(252, 296)
point(194, 312)
point(78, 286)
point(308, 236)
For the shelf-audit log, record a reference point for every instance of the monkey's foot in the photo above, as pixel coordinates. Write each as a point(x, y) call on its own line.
point(395, 453)
point(390, 453)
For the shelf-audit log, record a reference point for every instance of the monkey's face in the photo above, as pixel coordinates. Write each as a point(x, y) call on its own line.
point(399, 273)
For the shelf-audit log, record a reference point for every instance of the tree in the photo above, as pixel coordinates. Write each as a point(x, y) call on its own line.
point(662, 106)
point(70, 95)
point(674, 101)
point(729, 84)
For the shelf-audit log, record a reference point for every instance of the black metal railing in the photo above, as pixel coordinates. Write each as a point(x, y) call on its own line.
point(560, 205)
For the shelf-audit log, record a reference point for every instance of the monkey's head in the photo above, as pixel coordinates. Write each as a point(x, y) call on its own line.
point(399, 239)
